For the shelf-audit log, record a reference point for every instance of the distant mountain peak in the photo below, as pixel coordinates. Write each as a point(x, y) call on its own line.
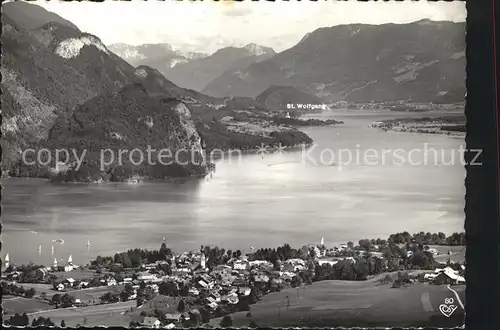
point(258, 50)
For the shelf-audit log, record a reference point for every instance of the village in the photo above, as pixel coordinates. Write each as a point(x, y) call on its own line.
point(189, 289)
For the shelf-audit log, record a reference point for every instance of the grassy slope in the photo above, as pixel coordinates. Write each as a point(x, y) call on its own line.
point(347, 303)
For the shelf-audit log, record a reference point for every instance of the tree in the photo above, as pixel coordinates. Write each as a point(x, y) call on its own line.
point(254, 295)
point(30, 293)
point(253, 324)
point(63, 324)
point(168, 289)
point(124, 295)
point(129, 288)
point(226, 322)
point(56, 299)
point(185, 291)
point(67, 300)
point(24, 319)
point(181, 306)
point(164, 251)
point(118, 278)
point(205, 315)
point(296, 281)
point(422, 260)
point(365, 244)
point(361, 270)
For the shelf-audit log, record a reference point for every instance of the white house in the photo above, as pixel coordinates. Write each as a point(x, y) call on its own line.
point(232, 300)
point(329, 262)
point(295, 262)
point(257, 263)
point(151, 322)
point(111, 281)
point(240, 265)
point(215, 295)
point(154, 287)
point(430, 276)
point(70, 281)
point(244, 290)
point(194, 291)
point(213, 305)
point(173, 317)
point(261, 278)
point(146, 277)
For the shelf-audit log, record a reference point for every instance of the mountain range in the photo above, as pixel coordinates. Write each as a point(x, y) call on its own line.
point(63, 87)
point(147, 54)
point(420, 61)
point(192, 70)
point(360, 63)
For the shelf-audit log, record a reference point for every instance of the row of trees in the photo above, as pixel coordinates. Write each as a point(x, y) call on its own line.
point(281, 253)
point(428, 238)
point(23, 320)
point(216, 256)
point(134, 258)
point(28, 273)
point(14, 290)
point(63, 301)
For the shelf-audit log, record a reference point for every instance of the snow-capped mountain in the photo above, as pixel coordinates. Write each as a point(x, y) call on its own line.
point(136, 54)
point(258, 50)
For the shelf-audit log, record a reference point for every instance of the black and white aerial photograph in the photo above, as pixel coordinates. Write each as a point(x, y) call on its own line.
point(182, 164)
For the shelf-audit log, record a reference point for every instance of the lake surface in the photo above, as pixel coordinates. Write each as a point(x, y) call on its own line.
point(254, 200)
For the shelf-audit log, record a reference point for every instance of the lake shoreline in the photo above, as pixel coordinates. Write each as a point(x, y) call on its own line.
point(446, 125)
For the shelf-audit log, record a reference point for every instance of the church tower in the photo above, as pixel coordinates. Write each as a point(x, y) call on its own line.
point(203, 261)
point(7, 260)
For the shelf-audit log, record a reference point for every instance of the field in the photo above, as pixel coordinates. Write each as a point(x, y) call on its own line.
point(80, 274)
point(86, 295)
point(21, 305)
point(108, 315)
point(347, 303)
point(164, 304)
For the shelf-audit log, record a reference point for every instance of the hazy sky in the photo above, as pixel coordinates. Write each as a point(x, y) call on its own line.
point(207, 26)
